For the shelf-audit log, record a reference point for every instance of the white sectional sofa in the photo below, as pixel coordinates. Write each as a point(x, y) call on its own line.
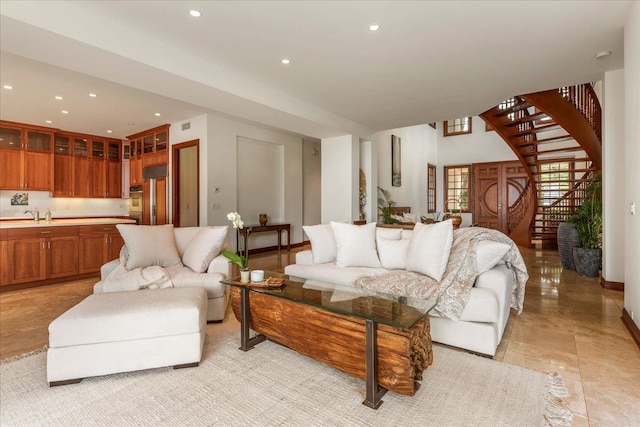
point(482, 322)
point(164, 256)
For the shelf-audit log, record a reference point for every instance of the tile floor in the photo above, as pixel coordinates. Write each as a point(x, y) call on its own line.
point(569, 325)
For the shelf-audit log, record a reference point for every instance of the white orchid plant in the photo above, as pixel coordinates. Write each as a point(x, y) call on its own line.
point(236, 258)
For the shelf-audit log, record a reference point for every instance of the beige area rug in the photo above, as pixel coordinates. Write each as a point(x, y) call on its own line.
point(272, 386)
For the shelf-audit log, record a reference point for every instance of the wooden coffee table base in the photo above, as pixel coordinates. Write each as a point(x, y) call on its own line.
point(340, 341)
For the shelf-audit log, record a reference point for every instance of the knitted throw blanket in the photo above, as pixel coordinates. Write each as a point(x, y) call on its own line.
point(452, 292)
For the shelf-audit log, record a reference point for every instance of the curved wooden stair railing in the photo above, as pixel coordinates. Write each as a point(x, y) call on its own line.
point(556, 134)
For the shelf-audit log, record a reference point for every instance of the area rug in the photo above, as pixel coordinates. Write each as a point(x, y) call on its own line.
point(274, 386)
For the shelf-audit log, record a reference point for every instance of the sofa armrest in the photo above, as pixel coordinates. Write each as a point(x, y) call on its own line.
point(107, 268)
point(220, 264)
point(304, 257)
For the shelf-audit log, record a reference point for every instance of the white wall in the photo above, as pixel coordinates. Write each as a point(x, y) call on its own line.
point(61, 207)
point(479, 146)
point(218, 169)
point(632, 155)
point(419, 147)
point(340, 170)
point(613, 177)
point(312, 184)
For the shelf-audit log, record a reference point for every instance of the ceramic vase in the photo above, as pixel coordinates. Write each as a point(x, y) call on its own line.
point(263, 219)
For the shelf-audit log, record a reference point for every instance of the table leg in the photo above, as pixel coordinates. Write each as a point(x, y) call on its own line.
point(279, 239)
point(247, 343)
point(374, 392)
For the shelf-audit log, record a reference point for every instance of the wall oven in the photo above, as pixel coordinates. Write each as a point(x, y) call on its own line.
point(136, 203)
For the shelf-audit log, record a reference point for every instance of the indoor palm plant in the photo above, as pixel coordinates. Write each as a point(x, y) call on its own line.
point(587, 220)
point(384, 206)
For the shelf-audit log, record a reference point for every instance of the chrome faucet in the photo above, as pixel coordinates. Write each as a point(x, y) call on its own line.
point(35, 214)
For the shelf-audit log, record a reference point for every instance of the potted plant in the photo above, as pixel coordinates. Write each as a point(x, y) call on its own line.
point(241, 259)
point(384, 205)
point(587, 220)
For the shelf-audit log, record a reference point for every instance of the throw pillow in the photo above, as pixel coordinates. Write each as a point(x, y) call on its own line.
point(489, 253)
point(393, 253)
point(149, 245)
point(429, 249)
point(323, 242)
point(355, 245)
point(204, 247)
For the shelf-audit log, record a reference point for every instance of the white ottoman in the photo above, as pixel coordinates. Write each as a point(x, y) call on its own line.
point(127, 331)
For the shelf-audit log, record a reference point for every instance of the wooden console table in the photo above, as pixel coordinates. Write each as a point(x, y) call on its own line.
point(257, 228)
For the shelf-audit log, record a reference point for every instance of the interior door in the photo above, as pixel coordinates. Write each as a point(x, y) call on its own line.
point(497, 186)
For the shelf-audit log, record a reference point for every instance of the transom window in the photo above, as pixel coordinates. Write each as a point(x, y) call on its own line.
point(457, 188)
point(459, 126)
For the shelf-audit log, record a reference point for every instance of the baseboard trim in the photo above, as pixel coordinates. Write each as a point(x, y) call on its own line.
point(616, 286)
point(631, 326)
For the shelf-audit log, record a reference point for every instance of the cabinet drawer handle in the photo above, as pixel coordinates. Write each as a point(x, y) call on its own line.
point(43, 246)
point(45, 232)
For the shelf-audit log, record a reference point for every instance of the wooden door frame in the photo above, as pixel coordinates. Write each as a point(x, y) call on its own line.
point(175, 181)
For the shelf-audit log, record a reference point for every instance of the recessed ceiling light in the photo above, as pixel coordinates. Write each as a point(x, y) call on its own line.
point(65, 112)
point(603, 54)
point(286, 61)
point(157, 114)
point(195, 13)
point(58, 97)
point(93, 95)
point(48, 121)
point(109, 131)
point(374, 27)
point(8, 87)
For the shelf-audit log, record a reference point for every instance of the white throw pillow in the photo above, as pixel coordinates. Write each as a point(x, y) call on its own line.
point(323, 242)
point(356, 245)
point(429, 249)
point(388, 233)
point(393, 253)
point(204, 247)
point(489, 253)
point(149, 245)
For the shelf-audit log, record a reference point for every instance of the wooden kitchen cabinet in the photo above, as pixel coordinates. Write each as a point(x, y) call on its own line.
point(148, 148)
point(41, 253)
point(4, 258)
point(26, 156)
point(98, 245)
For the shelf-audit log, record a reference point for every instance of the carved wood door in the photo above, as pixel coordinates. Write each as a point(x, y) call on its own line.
point(497, 186)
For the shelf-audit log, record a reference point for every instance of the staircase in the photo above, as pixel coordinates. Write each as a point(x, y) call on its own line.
point(557, 135)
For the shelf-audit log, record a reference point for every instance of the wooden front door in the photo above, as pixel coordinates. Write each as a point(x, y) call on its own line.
point(497, 186)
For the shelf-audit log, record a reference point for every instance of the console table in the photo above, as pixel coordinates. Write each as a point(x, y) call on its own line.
point(257, 228)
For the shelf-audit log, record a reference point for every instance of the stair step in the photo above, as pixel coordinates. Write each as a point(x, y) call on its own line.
point(528, 118)
point(568, 170)
point(547, 140)
point(555, 150)
point(520, 105)
point(537, 129)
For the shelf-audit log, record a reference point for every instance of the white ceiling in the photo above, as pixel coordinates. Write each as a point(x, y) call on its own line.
point(429, 61)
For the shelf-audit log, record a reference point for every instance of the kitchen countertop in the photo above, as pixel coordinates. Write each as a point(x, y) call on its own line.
point(29, 223)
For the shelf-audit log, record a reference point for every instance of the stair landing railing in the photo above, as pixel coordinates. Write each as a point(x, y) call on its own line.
point(585, 100)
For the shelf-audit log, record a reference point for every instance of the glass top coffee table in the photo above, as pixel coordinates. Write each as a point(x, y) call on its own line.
point(323, 321)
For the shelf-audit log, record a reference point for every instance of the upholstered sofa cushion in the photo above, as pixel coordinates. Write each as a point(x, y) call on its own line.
point(355, 245)
point(429, 249)
point(204, 247)
point(330, 273)
point(393, 253)
point(149, 245)
point(488, 254)
point(323, 242)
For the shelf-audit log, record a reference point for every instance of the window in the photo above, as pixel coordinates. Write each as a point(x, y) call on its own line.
point(431, 188)
point(457, 188)
point(554, 182)
point(457, 126)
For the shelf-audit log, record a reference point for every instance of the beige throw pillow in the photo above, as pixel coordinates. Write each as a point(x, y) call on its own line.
point(149, 245)
point(204, 247)
point(355, 245)
point(323, 242)
point(489, 253)
point(429, 249)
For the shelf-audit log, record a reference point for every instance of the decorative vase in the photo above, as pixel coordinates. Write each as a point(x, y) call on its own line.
point(455, 219)
point(245, 276)
point(263, 219)
point(587, 261)
point(567, 237)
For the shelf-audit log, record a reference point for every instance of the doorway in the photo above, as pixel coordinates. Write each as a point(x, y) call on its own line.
point(186, 184)
point(497, 186)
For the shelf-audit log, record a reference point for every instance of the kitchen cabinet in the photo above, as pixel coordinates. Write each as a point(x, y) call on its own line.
point(148, 148)
point(4, 258)
point(99, 244)
point(72, 166)
point(41, 253)
point(27, 154)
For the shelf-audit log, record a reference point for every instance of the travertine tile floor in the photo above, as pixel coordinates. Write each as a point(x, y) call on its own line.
point(569, 325)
